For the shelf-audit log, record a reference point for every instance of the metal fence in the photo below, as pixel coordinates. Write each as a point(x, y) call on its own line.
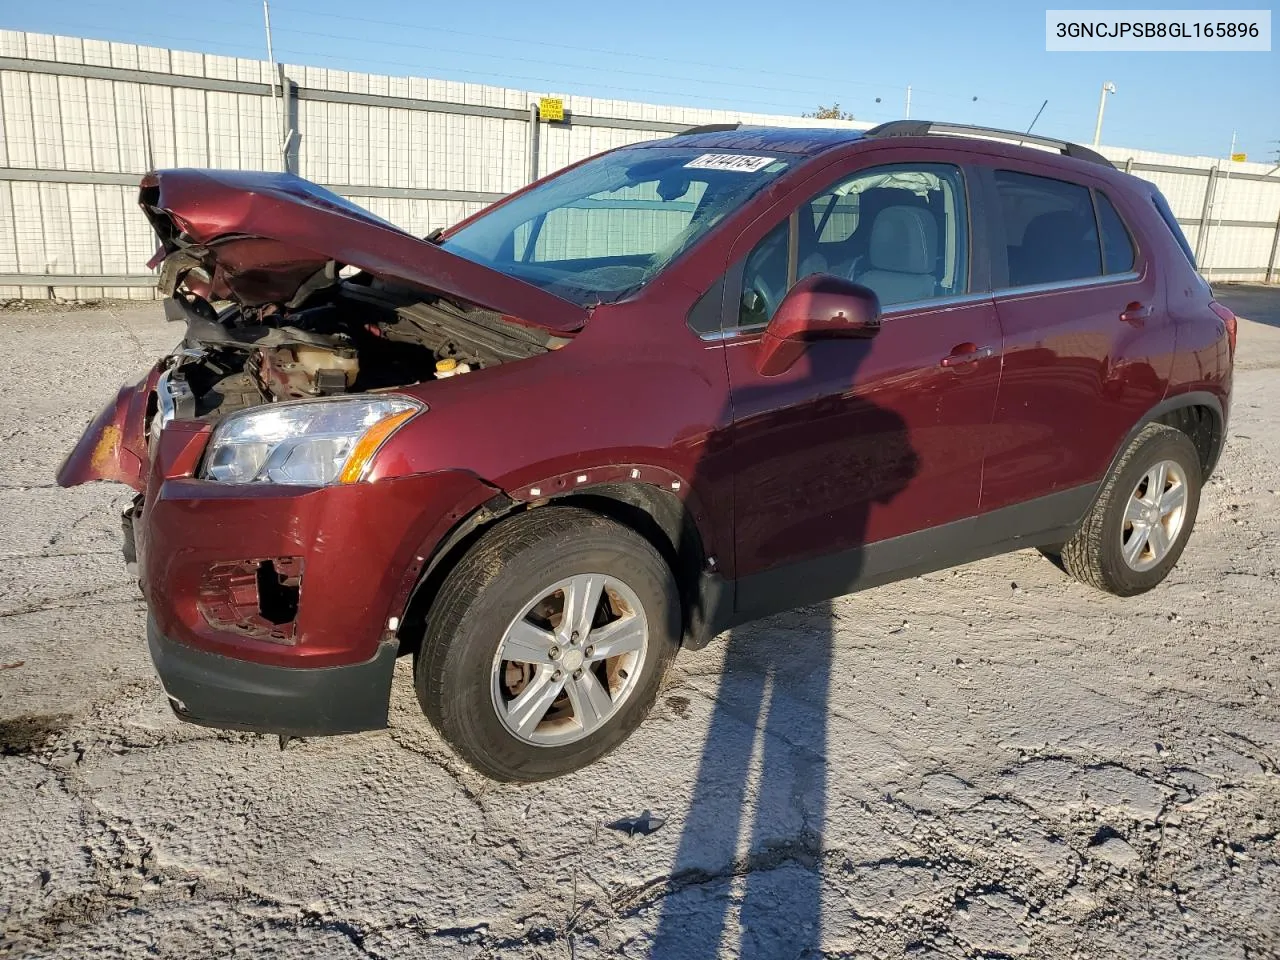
point(81, 120)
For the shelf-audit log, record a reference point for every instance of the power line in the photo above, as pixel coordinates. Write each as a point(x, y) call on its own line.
point(79, 26)
point(551, 84)
point(347, 38)
point(885, 89)
point(565, 46)
point(863, 109)
point(574, 66)
point(578, 48)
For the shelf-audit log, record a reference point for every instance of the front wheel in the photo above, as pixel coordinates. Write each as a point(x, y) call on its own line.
point(547, 643)
point(1138, 526)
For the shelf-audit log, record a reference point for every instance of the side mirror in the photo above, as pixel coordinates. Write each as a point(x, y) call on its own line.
point(819, 307)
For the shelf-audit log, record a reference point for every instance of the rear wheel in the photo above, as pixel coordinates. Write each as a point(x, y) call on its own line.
point(1137, 528)
point(547, 644)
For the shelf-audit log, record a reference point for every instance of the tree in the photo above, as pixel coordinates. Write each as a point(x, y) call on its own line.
point(832, 112)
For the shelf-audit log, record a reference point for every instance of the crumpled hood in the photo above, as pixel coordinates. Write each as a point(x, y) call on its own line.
point(260, 236)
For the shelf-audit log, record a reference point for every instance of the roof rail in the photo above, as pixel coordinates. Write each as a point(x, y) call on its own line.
point(710, 128)
point(923, 128)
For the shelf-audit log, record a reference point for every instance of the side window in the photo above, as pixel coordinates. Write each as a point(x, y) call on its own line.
point(900, 230)
point(1049, 228)
point(1117, 245)
point(764, 277)
point(704, 316)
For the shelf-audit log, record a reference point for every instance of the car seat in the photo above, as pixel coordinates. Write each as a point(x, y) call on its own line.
point(1060, 245)
point(902, 255)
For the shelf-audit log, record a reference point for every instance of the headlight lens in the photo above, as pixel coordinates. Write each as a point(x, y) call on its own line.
point(312, 442)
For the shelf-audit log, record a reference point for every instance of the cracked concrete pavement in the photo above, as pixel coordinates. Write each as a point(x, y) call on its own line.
point(989, 761)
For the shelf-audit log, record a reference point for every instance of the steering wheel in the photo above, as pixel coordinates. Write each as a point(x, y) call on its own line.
point(759, 288)
point(769, 257)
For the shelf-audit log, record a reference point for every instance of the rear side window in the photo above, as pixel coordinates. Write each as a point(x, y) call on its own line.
point(1117, 246)
point(1171, 222)
point(1050, 229)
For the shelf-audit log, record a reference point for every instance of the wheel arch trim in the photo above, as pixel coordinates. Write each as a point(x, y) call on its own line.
point(677, 527)
point(1170, 404)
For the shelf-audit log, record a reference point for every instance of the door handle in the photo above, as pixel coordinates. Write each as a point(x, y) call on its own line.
point(1136, 312)
point(963, 353)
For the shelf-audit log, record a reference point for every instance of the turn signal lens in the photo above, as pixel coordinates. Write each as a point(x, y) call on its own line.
point(368, 445)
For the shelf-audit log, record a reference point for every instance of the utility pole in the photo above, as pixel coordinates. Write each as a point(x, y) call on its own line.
point(276, 104)
point(1107, 88)
point(266, 20)
point(1219, 204)
point(908, 113)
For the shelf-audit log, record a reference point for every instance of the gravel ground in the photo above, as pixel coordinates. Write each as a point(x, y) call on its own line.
point(990, 761)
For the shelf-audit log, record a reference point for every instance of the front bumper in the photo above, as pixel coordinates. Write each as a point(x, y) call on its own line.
point(271, 608)
point(353, 552)
point(217, 691)
point(356, 552)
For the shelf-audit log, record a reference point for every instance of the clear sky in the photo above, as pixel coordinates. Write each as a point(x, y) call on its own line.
point(979, 62)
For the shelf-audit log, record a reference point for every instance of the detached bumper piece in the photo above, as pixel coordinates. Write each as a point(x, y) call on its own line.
point(217, 691)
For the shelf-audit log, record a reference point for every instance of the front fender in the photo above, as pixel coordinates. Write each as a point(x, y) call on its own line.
point(588, 480)
point(113, 447)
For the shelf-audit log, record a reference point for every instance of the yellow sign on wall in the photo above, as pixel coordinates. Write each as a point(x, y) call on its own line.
point(551, 109)
point(1239, 157)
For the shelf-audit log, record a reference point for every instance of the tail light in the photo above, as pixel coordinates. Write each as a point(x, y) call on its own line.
point(1229, 320)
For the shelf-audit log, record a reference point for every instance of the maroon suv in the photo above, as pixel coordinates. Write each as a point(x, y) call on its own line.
point(675, 387)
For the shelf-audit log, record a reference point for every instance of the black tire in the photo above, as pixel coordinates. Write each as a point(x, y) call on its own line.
point(484, 593)
point(1093, 555)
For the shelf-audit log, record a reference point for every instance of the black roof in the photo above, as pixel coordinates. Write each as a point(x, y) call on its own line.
point(924, 128)
point(807, 141)
point(799, 140)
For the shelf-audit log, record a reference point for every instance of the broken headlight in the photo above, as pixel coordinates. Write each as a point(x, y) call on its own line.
point(310, 442)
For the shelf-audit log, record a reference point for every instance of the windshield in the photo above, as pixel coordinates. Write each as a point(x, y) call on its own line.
point(602, 229)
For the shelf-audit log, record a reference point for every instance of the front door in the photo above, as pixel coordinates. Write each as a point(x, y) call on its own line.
point(862, 442)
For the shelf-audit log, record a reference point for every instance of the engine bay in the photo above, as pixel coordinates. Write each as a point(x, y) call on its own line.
point(353, 336)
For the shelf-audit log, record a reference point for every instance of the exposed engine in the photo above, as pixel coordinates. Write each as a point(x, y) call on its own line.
point(350, 337)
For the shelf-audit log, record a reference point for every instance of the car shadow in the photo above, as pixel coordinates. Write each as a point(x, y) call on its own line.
point(753, 837)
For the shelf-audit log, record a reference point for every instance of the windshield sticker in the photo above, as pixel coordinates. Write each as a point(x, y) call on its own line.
point(736, 162)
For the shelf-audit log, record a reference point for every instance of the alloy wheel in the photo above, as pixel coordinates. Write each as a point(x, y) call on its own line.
point(1154, 515)
point(569, 660)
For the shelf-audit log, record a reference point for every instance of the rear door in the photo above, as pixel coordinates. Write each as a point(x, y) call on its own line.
point(1086, 349)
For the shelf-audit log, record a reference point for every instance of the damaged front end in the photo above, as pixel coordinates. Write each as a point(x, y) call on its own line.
point(308, 324)
point(113, 447)
point(352, 336)
point(318, 298)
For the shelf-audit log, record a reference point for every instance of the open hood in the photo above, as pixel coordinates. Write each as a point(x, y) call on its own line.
point(260, 237)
